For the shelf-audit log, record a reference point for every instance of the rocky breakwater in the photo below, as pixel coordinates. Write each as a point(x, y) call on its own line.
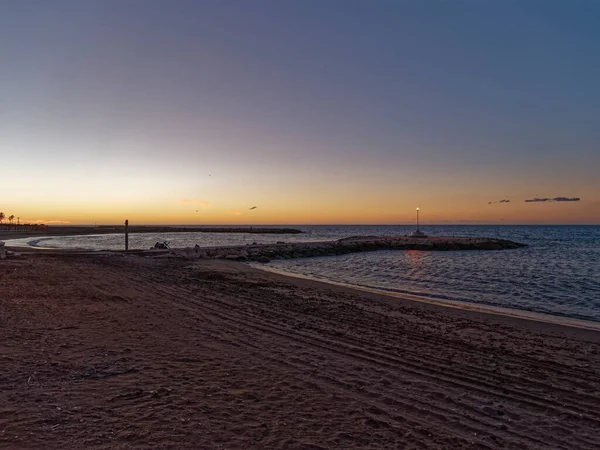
point(281, 250)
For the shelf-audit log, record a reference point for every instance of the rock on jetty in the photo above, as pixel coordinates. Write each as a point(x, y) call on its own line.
point(267, 252)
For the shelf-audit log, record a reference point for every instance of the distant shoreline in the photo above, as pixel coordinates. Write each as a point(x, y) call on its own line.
point(16, 233)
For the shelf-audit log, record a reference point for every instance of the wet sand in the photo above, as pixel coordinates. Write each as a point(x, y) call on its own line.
point(120, 351)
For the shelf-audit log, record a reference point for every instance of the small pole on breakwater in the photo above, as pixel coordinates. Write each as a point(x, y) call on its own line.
point(417, 218)
point(417, 233)
point(126, 235)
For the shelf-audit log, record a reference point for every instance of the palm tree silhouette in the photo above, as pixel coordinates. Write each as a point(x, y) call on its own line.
point(11, 218)
point(1, 217)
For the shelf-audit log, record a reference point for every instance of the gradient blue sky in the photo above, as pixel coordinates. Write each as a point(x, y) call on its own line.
point(316, 111)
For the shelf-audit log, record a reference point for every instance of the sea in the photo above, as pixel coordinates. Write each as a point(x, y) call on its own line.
point(558, 273)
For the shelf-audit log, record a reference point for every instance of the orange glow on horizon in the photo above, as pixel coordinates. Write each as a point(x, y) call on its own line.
point(279, 204)
point(305, 215)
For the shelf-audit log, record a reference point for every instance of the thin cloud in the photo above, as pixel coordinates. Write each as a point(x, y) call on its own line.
point(538, 200)
point(466, 222)
point(204, 203)
point(236, 213)
point(566, 199)
point(550, 200)
point(499, 201)
point(46, 222)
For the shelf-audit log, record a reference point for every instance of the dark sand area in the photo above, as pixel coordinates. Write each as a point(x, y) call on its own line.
point(120, 351)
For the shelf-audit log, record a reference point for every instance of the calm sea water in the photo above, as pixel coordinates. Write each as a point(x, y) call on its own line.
point(559, 273)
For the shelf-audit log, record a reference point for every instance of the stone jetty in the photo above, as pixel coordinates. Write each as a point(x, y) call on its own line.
point(283, 250)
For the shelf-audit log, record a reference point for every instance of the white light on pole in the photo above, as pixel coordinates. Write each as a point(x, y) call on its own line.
point(418, 233)
point(417, 218)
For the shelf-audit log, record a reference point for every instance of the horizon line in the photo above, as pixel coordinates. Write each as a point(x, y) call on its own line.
point(313, 224)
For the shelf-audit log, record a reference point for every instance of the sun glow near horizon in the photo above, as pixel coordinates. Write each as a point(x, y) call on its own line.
point(178, 212)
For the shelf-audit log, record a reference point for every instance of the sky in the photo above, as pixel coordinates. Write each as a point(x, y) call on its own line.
point(312, 111)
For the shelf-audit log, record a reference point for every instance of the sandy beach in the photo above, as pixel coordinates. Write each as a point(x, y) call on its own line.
point(121, 351)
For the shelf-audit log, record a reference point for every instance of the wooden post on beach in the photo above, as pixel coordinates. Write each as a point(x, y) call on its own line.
point(126, 235)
